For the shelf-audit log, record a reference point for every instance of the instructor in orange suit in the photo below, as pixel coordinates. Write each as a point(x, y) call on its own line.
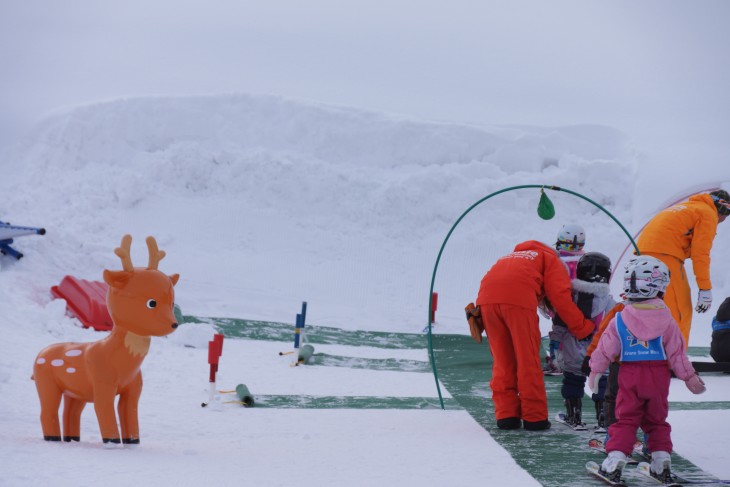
point(508, 299)
point(683, 231)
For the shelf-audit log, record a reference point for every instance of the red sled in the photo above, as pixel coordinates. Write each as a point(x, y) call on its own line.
point(86, 300)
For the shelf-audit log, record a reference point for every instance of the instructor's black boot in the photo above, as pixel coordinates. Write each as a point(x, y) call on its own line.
point(536, 425)
point(509, 423)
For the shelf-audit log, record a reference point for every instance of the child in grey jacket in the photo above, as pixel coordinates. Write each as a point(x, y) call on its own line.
point(592, 295)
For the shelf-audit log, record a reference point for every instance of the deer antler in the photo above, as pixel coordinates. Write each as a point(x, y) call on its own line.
point(156, 255)
point(123, 253)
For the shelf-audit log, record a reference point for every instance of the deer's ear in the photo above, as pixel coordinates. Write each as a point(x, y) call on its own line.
point(174, 278)
point(117, 279)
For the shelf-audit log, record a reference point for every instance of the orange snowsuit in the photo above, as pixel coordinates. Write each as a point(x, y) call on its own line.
point(683, 231)
point(508, 298)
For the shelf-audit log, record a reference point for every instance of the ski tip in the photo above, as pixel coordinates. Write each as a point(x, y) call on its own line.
point(645, 469)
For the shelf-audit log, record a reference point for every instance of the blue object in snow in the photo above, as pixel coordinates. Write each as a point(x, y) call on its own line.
point(8, 232)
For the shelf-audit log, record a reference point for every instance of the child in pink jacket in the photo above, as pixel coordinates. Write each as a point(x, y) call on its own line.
point(646, 340)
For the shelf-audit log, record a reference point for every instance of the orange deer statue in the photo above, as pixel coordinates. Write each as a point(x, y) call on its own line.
point(140, 302)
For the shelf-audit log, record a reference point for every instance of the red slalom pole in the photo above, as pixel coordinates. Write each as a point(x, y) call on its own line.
point(218, 338)
point(215, 350)
point(434, 305)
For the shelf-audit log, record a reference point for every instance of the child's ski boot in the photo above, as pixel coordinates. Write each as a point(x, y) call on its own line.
point(660, 468)
point(600, 417)
point(611, 468)
point(573, 416)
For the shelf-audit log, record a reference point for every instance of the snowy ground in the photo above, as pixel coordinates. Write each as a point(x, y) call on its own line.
point(262, 203)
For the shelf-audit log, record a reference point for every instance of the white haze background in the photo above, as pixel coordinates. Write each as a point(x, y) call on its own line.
point(283, 152)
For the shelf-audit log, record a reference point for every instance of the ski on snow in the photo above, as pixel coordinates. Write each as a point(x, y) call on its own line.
point(671, 481)
point(560, 418)
point(594, 469)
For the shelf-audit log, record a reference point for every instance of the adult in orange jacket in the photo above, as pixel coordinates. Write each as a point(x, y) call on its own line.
point(508, 298)
point(683, 231)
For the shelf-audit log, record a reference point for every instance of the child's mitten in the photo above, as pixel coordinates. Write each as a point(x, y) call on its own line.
point(695, 384)
point(593, 381)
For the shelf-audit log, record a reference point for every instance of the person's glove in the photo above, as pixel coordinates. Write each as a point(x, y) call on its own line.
point(593, 381)
point(695, 384)
point(585, 367)
point(704, 300)
point(585, 332)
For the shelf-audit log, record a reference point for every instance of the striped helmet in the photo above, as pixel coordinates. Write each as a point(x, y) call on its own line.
point(571, 238)
point(722, 201)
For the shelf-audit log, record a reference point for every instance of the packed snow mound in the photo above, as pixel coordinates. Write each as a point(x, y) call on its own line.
point(124, 131)
point(283, 199)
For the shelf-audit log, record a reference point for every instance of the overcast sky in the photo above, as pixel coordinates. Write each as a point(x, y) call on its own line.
point(657, 69)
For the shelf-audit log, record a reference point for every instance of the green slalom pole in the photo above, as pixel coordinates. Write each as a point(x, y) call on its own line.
point(545, 206)
point(244, 395)
point(305, 354)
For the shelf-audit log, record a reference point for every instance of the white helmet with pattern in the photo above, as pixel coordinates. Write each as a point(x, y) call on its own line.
point(571, 238)
point(645, 277)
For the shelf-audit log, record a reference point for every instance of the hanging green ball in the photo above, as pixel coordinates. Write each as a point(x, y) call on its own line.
point(545, 208)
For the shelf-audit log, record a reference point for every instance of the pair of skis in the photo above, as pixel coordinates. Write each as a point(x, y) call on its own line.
point(562, 418)
point(643, 468)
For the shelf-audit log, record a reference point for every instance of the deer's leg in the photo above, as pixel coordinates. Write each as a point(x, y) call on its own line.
point(50, 397)
point(72, 409)
point(104, 406)
point(127, 407)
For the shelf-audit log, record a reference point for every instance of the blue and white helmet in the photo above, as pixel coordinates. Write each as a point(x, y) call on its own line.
point(571, 238)
point(645, 277)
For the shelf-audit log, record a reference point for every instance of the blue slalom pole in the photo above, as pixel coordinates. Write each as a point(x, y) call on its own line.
point(299, 337)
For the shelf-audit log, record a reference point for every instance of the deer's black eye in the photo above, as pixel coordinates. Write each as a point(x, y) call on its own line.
point(151, 303)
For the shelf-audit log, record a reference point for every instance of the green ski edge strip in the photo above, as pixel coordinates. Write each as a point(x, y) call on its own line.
point(284, 332)
point(391, 364)
point(349, 402)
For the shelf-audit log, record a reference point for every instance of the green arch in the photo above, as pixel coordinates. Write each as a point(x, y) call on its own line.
point(448, 235)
